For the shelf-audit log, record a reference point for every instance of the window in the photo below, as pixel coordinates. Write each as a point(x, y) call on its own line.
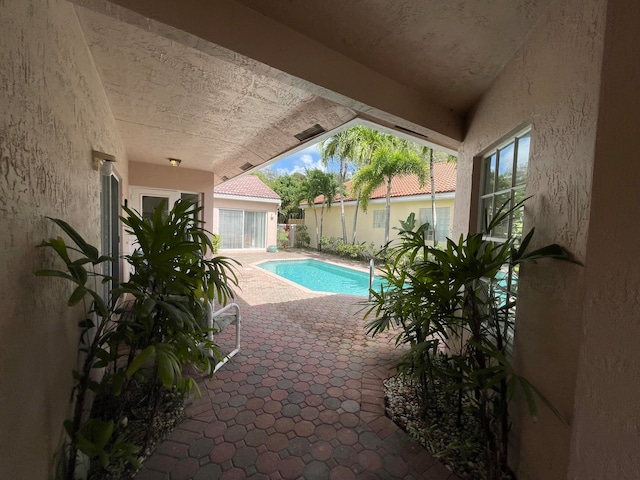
point(443, 218)
point(504, 177)
point(242, 229)
point(378, 219)
point(504, 173)
point(110, 234)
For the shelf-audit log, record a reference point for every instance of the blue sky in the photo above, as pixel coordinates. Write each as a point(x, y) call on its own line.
point(309, 158)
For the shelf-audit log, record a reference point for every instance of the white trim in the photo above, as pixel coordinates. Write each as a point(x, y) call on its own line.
point(222, 196)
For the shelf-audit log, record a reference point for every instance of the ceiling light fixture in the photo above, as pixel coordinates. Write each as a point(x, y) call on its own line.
point(175, 162)
point(103, 163)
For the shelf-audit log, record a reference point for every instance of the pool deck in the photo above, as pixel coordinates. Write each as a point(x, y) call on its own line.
point(302, 400)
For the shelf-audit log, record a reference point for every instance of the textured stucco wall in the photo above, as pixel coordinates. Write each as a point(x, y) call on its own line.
point(553, 84)
point(606, 432)
point(249, 206)
point(54, 111)
point(400, 210)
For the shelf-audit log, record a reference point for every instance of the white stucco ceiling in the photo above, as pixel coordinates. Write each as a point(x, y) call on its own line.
point(219, 84)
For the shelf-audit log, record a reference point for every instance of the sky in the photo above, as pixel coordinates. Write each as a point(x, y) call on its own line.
point(299, 162)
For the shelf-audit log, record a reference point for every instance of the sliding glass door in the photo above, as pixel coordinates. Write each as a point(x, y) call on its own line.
point(242, 229)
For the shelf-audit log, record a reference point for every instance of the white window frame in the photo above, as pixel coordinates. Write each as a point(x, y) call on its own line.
point(516, 188)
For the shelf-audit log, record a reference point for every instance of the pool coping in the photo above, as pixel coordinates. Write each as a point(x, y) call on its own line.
point(301, 287)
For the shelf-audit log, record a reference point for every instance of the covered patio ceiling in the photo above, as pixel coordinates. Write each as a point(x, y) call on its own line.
point(227, 85)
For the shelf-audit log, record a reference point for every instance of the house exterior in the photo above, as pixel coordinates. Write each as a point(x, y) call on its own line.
point(245, 214)
point(563, 73)
point(407, 196)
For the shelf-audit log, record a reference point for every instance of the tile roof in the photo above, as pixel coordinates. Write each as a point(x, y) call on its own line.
point(246, 186)
point(445, 179)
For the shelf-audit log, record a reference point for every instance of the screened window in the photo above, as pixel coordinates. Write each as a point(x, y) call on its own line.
point(378, 219)
point(242, 229)
point(443, 218)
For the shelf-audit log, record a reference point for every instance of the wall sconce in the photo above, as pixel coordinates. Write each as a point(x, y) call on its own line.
point(175, 162)
point(103, 163)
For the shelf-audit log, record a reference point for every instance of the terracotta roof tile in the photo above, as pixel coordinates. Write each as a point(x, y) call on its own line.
point(445, 179)
point(247, 186)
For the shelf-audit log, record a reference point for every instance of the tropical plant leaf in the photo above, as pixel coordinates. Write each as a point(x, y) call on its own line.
point(140, 359)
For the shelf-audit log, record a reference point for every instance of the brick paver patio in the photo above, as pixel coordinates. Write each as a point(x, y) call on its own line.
point(302, 400)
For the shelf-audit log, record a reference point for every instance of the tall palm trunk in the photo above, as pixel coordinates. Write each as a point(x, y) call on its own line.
point(344, 223)
point(355, 222)
point(315, 214)
point(434, 217)
point(321, 221)
point(387, 213)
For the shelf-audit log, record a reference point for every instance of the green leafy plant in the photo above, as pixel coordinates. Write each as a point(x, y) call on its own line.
point(216, 242)
point(301, 239)
point(456, 317)
point(148, 336)
point(337, 246)
point(283, 236)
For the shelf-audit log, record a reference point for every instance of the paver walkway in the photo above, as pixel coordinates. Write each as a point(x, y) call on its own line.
point(302, 400)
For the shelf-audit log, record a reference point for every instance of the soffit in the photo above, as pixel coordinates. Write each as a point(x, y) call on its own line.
point(173, 95)
point(220, 84)
point(449, 50)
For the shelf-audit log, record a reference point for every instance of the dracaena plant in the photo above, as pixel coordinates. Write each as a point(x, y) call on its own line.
point(148, 335)
point(451, 309)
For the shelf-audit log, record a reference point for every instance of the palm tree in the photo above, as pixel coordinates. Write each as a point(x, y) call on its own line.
point(341, 148)
point(427, 153)
point(392, 158)
point(365, 140)
point(318, 183)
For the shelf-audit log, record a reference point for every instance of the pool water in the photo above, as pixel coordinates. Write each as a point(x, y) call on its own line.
point(322, 277)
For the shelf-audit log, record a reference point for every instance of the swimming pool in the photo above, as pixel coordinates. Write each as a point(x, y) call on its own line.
point(322, 277)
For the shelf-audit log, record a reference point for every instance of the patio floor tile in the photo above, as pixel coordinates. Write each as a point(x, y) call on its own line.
point(302, 399)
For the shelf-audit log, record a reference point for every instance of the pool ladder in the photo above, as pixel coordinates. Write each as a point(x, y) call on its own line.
point(372, 269)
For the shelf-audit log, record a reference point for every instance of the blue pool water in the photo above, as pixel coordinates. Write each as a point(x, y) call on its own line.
point(322, 277)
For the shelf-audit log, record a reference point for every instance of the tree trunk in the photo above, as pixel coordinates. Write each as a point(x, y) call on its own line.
point(355, 222)
point(388, 213)
point(321, 220)
point(318, 247)
point(343, 175)
point(434, 217)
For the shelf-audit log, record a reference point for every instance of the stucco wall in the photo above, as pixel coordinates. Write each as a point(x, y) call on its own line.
point(400, 210)
point(606, 432)
point(250, 206)
point(54, 112)
point(553, 84)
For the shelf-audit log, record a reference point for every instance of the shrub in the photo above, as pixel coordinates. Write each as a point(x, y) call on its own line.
point(336, 246)
point(283, 236)
point(302, 239)
point(449, 302)
point(146, 341)
point(216, 242)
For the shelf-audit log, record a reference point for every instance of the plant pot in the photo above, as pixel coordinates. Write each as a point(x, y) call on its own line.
point(272, 249)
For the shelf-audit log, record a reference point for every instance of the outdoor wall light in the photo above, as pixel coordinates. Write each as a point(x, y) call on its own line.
point(103, 163)
point(175, 162)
